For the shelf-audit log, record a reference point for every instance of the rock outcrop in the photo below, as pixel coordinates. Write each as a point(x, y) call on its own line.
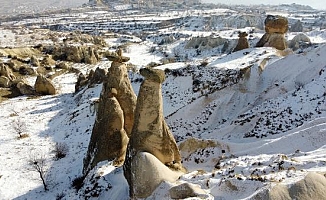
point(44, 86)
point(204, 43)
point(114, 119)
point(187, 190)
point(242, 42)
point(150, 133)
point(25, 89)
point(299, 41)
point(275, 27)
point(77, 54)
point(109, 139)
point(311, 187)
point(297, 27)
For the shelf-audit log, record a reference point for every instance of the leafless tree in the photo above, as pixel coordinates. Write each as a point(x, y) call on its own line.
point(20, 127)
point(38, 162)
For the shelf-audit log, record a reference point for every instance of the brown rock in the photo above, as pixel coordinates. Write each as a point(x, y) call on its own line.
point(118, 79)
point(44, 86)
point(34, 61)
point(275, 27)
point(186, 190)
point(114, 120)
point(276, 24)
point(242, 42)
point(109, 139)
point(5, 71)
point(48, 61)
point(5, 82)
point(25, 89)
point(277, 41)
point(81, 81)
point(96, 77)
point(63, 65)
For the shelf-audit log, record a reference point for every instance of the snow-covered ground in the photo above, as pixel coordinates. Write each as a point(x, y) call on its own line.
point(265, 112)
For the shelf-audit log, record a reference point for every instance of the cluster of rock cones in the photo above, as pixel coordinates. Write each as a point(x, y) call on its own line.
point(132, 132)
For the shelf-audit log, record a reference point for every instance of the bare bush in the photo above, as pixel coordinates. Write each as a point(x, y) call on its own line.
point(38, 162)
point(20, 128)
point(61, 149)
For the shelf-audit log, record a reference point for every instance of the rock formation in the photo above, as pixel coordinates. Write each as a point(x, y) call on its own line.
point(186, 190)
point(77, 54)
point(109, 139)
point(150, 134)
point(297, 27)
point(275, 27)
point(204, 43)
point(114, 119)
point(242, 42)
point(299, 41)
point(44, 86)
point(25, 89)
point(126, 96)
point(311, 187)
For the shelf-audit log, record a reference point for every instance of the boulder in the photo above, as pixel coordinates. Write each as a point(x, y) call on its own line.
point(276, 24)
point(242, 42)
point(81, 81)
point(148, 174)
point(34, 61)
point(96, 77)
point(299, 41)
point(297, 27)
point(275, 27)
point(48, 61)
point(311, 187)
point(63, 65)
point(5, 71)
point(109, 139)
point(5, 82)
point(44, 86)
point(187, 190)
point(25, 89)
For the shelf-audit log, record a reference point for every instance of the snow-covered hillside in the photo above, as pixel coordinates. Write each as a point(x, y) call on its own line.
point(260, 112)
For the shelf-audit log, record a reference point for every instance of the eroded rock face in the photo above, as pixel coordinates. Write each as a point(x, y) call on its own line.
point(118, 78)
point(109, 139)
point(115, 117)
point(5, 71)
point(150, 132)
point(242, 42)
point(275, 27)
point(44, 86)
point(77, 54)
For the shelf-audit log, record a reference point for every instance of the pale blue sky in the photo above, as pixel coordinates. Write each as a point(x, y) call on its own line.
point(318, 4)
